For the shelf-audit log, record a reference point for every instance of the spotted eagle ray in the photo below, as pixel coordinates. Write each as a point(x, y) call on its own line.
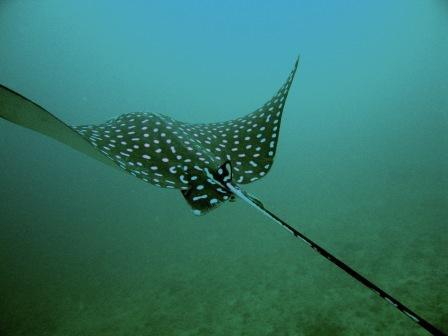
point(207, 162)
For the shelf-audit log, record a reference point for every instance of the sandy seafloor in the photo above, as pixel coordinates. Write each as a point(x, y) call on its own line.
point(108, 267)
point(361, 169)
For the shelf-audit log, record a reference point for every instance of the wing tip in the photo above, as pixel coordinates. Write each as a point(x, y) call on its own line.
point(296, 64)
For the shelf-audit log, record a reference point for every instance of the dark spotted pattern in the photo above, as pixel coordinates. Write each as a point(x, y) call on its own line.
point(173, 154)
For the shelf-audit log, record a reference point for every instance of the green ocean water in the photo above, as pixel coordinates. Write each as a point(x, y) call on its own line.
point(361, 168)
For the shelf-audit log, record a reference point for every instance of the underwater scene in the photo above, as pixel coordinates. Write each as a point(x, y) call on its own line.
point(150, 150)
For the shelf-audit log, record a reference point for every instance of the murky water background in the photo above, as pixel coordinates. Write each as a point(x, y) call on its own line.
point(361, 168)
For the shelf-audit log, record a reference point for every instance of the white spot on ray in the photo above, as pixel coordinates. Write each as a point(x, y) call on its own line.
point(197, 198)
point(145, 136)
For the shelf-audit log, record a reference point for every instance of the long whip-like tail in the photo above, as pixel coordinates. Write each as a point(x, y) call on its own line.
point(237, 191)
